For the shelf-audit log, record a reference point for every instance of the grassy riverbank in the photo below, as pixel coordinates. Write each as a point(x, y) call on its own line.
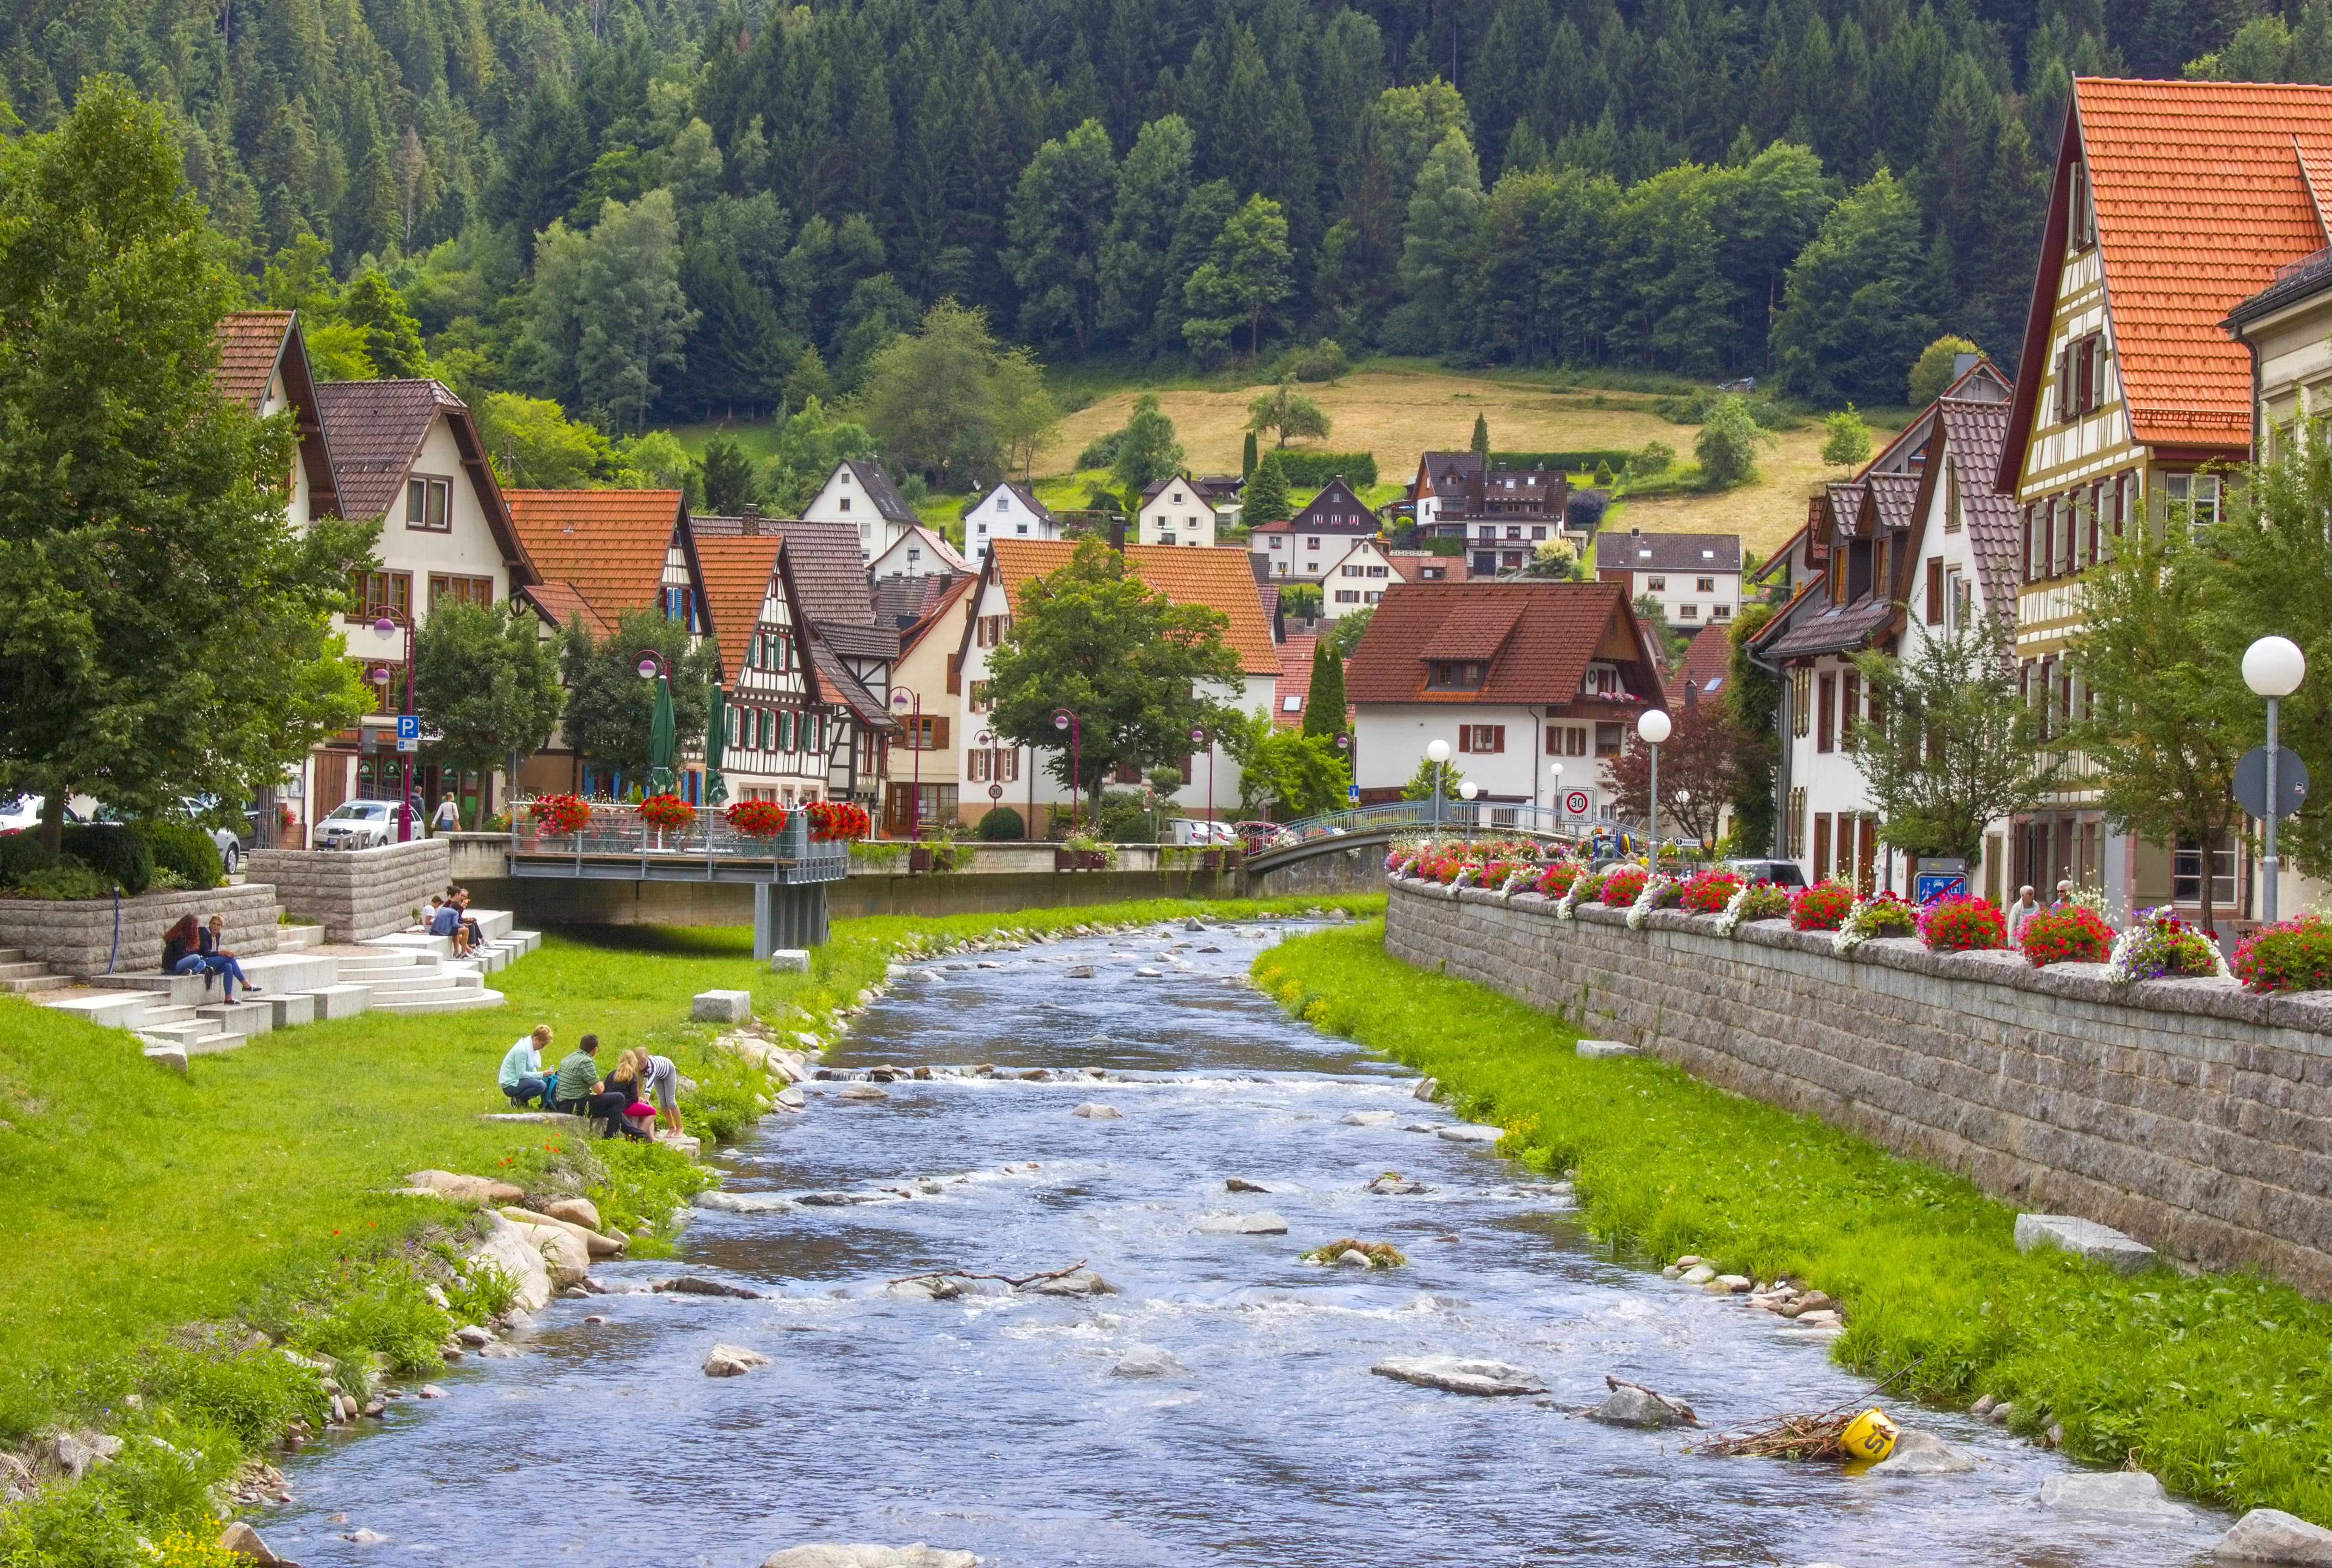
point(2217, 1384)
point(257, 1188)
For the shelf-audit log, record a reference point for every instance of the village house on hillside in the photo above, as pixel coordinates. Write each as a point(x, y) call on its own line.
point(859, 495)
point(918, 552)
point(1183, 512)
point(1009, 510)
point(1307, 546)
point(1535, 685)
point(774, 740)
point(1503, 515)
point(1693, 578)
point(2129, 391)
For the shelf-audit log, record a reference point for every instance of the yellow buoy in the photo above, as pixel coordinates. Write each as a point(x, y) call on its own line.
point(1870, 1437)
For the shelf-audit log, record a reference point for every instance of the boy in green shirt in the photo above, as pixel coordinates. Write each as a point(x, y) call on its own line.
point(522, 1077)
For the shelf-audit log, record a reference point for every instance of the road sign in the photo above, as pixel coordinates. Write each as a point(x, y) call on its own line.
point(1935, 877)
point(996, 791)
point(408, 727)
point(405, 745)
point(1577, 803)
point(2291, 781)
point(1352, 794)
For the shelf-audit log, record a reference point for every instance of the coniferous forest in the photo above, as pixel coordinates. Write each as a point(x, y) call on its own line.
point(661, 209)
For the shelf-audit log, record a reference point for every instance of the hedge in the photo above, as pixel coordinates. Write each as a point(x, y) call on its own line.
point(1310, 470)
point(1568, 462)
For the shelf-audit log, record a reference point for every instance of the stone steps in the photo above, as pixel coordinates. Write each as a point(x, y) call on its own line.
point(293, 938)
point(449, 1000)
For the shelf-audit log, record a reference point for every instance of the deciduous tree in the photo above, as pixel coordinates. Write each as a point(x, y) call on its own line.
point(1058, 226)
point(609, 316)
point(1286, 412)
point(1145, 450)
point(1247, 276)
point(1699, 763)
point(609, 708)
point(487, 682)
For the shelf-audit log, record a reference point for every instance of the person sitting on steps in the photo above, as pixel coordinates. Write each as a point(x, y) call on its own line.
point(445, 920)
point(221, 957)
point(522, 1077)
point(582, 1092)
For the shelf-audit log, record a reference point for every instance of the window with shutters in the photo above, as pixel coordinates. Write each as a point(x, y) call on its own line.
point(977, 765)
point(927, 733)
point(1482, 738)
point(1850, 707)
point(1825, 713)
point(1793, 830)
point(978, 697)
point(1801, 701)
point(785, 731)
point(990, 631)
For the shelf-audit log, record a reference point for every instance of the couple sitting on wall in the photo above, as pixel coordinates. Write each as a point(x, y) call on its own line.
point(621, 1097)
point(190, 947)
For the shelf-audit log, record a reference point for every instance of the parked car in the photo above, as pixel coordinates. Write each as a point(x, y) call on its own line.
point(1780, 873)
point(20, 815)
point(231, 844)
point(1198, 830)
point(358, 825)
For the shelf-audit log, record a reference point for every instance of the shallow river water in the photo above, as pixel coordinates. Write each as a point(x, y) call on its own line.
point(997, 1424)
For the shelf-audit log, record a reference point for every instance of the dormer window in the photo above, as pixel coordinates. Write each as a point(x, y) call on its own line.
point(1455, 674)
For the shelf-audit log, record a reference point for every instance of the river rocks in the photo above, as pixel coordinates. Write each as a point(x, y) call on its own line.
point(2272, 1535)
point(863, 1092)
point(1698, 1274)
point(1145, 973)
point(828, 1554)
point(477, 1338)
point(1731, 1284)
point(697, 1285)
point(1084, 1282)
point(722, 1202)
point(1149, 1360)
point(1093, 1112)
point(1633, 1405)
point(431, 1392)
point(1815, 1301)
point(928, 1287)
point(1459, 1375)
point(73, 1455)
point(1473, 1132)
point(2125, 1493)
point(1352, 1258)
point(1081, 971)
point(1241, 1184)
point(511, 1247)
point(732, 1360)
point(1262, 1222)
point(593, 1244)
point(1924, 1454)
point(1427, 1089)
point(837, 1199)
point(464, 1189)
point(1393, 1182)
point(365, 1537)
point(1368, 1118)
point(575, 1211)
point(244, 1541)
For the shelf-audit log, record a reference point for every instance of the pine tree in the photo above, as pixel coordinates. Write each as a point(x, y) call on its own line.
point(1267, 499)
point(1481, 445)
point(1324, 709)
point(1246, 457)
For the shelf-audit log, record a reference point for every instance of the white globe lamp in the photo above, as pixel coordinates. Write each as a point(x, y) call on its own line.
point(2273, 668)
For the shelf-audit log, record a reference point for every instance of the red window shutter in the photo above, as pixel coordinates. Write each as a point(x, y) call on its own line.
point(955, 674)
point(1554, 740)
point(1465, 737)
point(1935, 590)
point(1498, 737)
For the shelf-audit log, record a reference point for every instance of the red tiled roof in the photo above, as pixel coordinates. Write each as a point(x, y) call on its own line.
point(1973, 435)
point(250, 342)
point(936, 612)
point(1474, 629)
point(1221, 579)
point(736, 583)
point(1553, 630)
point(1294, 681)
point(607, 545)
point(2202, 192)
point(1407, 564)
point(1706, 659)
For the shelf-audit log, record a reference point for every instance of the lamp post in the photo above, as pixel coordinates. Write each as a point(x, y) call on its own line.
point(1065, 720)
point(901, 697)
point(1467, 790)
point(387, 627)
point(1653, 727)
point(1202, 736)
point(1684, 798)
point(2273, 668)
point(1437, 753)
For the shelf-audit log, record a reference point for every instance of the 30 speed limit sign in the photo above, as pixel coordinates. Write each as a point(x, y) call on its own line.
point(1576, 802)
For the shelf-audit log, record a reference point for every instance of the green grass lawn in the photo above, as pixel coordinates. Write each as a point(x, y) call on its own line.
point(2219, 1383)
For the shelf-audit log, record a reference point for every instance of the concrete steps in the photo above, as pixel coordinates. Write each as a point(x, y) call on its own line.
point(295, 937)
point(21, 976)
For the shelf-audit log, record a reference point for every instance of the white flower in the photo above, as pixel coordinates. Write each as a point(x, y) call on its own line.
point(1735, 907)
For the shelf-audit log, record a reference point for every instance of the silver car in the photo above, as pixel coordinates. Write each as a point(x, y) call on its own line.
point(357, 824)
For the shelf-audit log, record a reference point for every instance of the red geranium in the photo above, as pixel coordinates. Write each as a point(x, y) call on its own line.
point(1556, 879)
point(833, 820)
point(1963, 924)
point(1824, 906)
point(1709, 892)
point(757, 819)
point(560, 814)
point(2291, 955)
point(1621, 886)
point(2071, 935)
point(667, 811)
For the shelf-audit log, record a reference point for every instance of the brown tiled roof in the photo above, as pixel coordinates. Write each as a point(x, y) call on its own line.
point(1556, 629)
point(1207, 489)
point(736, 584)
point(853, 641)
point(903, 601)
point(1668, 551)
point(1706, 660)
point(1823, 627)
point(1335, 499)
point(1893, 493)
point(840, 686)
point(875, 481)
point(828, 572)
point(250, 342)
point(1221, 579)
point(952, 591)
point(1407, 565)
point(559, 604)
point(1447, 473)
point(1474, 629)
point(607, 545)
point(1294, 681)
point(376, 429)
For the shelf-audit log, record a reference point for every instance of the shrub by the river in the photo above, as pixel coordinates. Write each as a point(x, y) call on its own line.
point(2217, 1383)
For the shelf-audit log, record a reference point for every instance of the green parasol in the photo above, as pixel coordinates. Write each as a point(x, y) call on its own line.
point(660, 739)
point(716, 730)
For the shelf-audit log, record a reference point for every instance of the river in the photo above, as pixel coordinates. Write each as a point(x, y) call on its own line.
point(998, 1423)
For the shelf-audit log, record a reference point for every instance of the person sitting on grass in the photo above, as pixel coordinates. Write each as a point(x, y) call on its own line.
point(522, 1077)
point(582, 1093)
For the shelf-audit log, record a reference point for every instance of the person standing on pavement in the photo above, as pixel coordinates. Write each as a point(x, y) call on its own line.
point(447, 817)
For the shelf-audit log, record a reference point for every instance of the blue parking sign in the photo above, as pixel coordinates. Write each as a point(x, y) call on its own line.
point(408, 726)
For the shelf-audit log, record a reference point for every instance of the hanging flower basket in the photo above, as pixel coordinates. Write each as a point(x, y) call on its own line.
point(757, 819)
point(667, 813)
point(556, 814)
point(838, 820)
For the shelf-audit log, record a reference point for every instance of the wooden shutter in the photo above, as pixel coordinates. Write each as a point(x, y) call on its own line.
point(1825, 700)
point(1497, 737)
point(938, 732)
point(1821, 845)
point(955, 674)
point(1935, 590)
point(1465, 737)
point(1850, 705)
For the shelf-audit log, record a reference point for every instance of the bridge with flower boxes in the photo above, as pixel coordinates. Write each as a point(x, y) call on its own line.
point(787, 857)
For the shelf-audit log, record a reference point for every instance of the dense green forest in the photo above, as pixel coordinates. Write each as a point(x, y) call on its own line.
point(663, 209)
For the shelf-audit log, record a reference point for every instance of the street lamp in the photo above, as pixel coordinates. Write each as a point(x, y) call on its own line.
point(388, 626)
point(1653, 727)
point(1202, 736)
point(1684, 798)
point(1437, 753)
point(901, 696)
point(2273, 668)
point(1065, 720)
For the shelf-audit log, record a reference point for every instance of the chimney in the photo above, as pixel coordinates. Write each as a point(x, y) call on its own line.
point(1117, 534)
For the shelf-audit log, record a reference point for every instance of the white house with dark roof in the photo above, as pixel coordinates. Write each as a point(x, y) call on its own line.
point(1304, 548)
point(861, 494)
point(1441, 485)
point(1182, 510)
point(1357, 580)
point(1693, 578)
point(918, 552)
point(1010, 511)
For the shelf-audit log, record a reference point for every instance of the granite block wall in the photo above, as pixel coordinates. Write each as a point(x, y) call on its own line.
point(356, 893)
point(77, 937)
point(2189, 1113)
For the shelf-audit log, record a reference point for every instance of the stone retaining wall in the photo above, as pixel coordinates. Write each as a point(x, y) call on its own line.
point(356, 893)
point(76, 937)
point(2190, 1114)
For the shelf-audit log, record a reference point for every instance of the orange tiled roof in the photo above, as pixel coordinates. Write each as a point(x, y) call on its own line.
point(1547, 632)
point(1220, 579)
point(250, 342)
point(607, 545)
point(736, 581)
point(1294, 681)
point(560, 604)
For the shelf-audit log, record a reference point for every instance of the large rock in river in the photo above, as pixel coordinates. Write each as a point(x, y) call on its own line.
point(510, 1249)
point(2126, 1494)
point(1459, 1375)
point(2272, 1535)
point(829, 1554)
point(1630, 1405)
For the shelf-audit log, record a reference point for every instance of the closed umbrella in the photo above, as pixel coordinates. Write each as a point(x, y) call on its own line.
point(660, 739)
point(716, 730)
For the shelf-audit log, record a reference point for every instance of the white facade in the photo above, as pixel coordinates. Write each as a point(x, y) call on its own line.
point(860, 494)
point(776, 740)
point(927, 699)
point(1356, 580)
point(1178, 514)
point(1693, 595)
point(917, 552)
point(1006, 512)
point(1514, 751)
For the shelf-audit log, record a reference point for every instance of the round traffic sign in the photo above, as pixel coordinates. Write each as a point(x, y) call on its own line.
point(1576, 802)
point(996, 791)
